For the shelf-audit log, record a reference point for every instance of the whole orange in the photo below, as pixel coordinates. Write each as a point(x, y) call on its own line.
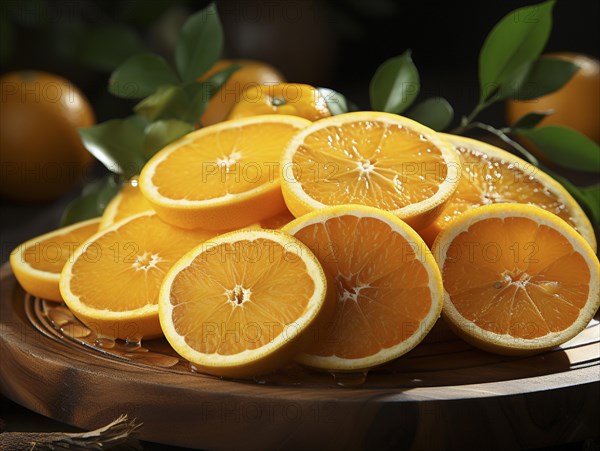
point(41, 154)
point(251, 73)
point(575, 105)
point(293, 99)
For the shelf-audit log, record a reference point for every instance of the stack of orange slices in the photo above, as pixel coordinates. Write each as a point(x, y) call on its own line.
point(266, 239)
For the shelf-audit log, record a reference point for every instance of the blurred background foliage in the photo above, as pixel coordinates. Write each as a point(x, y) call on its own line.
point(334, 43)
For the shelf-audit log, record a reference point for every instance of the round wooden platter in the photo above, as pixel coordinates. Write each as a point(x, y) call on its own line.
point(443, 394)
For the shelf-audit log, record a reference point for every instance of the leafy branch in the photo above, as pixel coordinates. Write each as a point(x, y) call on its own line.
point(511, 67)
point(171, 102)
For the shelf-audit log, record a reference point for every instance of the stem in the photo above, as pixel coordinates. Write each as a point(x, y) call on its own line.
point(504, 137)
point(468, 120)
point(278, 101)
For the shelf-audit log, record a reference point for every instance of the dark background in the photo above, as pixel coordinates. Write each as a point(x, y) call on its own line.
point(337, 44)
point(332, 43)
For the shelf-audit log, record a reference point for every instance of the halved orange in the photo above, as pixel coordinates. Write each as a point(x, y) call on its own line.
point(221, 177)
point(243, 303)
point(492, 175)
point(37, 263)
point(128, 202)
point(369, 158)
point(112, 282)
point(389, 289)
point(517, 279)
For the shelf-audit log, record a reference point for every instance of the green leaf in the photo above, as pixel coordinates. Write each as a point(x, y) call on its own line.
point(212, 86)
point(140, 76)
point(592, 196)
point(531, 120)
point(544, 76)
point(152, 107)
point(395, 84)
point(92, 202)
point(517, 40)
point(593, 192)
point(200, 44)
point(161, 133)
point(588, 198)
point(138, 121)
point(105, 47)
point(217, 80)
point(336, 102)
point(565, 147)
point(435, 113)
point(117, 144)
point(185, 102)
point(174, 102)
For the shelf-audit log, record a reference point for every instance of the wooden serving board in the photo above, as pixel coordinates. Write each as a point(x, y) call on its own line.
point(442, 395)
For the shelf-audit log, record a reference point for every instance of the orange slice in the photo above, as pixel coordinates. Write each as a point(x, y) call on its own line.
point(37, 263)
point(128, 202)
point(492, 175)
point(112, 282)
point(389, 289)
point(221, 177)
point(243, 303)
point(517, 279)
point(277, 221)
point(370, 158)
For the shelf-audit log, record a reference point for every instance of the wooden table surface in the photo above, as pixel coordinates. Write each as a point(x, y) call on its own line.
point(442, 395)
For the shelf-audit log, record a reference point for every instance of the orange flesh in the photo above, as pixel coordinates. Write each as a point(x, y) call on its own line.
point(277, 221)
point(513, 276)
point(123, 269)
point(132, 201)
point(51, 254)
point(487, 180)
point(232, 161)
point(369, 163)
point(239, 296)
point(382, 287)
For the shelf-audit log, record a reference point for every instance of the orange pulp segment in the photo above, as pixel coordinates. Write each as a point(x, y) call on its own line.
point(37, 263)
point(492, 175)
point(128, 202)
point(370, 158)
point(389, 290)
point(221, 177)
point(112, 282)
point(517, 279)
point(239, 304)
